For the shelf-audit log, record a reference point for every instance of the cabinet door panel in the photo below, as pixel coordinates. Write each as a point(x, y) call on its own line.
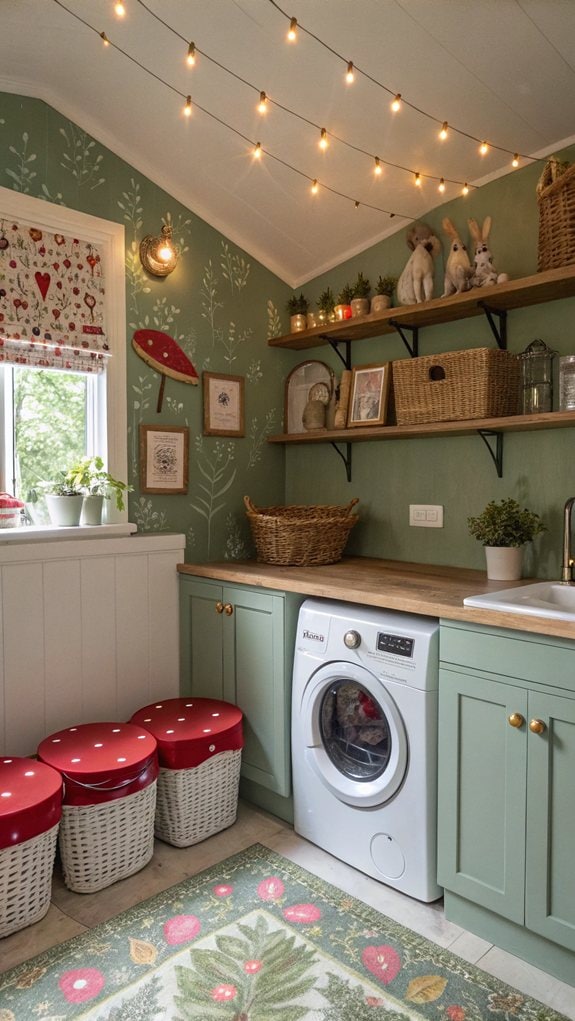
point(482, 791)
point(550, 890)
point(201, 640)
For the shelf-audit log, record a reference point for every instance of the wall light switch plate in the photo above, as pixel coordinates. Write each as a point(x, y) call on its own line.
point(426, 515)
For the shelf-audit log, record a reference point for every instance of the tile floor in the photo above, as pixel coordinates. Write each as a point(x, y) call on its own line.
point(71, 913)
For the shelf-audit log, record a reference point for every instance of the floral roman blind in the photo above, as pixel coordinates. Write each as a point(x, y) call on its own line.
point(51, 300)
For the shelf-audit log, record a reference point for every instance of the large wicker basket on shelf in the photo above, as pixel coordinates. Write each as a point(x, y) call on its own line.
point(556, 198)
point(479, 383)
point(303, 536)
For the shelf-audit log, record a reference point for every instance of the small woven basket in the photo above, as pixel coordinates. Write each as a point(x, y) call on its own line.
point(195, 803)
point(300, 536)
point(556, 198)
point(479, 383)
point(100, 844)
point(26, 881)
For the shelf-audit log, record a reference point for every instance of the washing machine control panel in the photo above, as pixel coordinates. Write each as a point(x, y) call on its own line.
point(395, 644)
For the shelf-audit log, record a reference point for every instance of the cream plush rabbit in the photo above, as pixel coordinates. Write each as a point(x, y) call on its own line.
point(484, 272)
point(458, 269)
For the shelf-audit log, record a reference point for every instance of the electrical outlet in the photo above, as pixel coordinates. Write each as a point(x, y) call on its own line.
point(426, 515)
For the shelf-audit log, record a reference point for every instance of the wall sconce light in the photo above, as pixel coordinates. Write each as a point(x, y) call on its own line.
point(158, 255)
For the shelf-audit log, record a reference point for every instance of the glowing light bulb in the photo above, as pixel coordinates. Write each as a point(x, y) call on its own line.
point(349, 75)
point(191, 57)
point(418, 180)
point(292, 34)
point(443, 132)
point(257, 151)
point(377, 168)
point(188, 107)
point(484, 148)
point(314, 186)
point(263, 103)
point(323, 142)
point(396, 103)
point(465, 189)
point(165, 253)
point(119, 10)
point(104, 38)
point(441, 186)
point(515, 160)
point(356, 204)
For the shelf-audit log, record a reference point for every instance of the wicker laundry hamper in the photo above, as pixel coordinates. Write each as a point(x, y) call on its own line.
point(107, 830)
point(30, 815)
point(556, 200)
point(299, 535)
point(200, 744)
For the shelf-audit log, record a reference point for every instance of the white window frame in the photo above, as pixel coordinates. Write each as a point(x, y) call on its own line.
point(109, 237)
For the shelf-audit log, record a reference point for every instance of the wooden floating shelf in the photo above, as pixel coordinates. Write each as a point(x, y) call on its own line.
point(550, 285)
point(514, 423)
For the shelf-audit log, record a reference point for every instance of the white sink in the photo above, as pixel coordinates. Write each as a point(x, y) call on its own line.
point(543, 599)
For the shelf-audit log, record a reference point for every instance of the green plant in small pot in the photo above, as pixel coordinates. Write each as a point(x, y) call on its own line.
point(383, 296)
point(503, 528)
point(360, 298)
point(343, 304)
point(64, 500)
point(326, 306)
point(90, 477)
point(297, 307)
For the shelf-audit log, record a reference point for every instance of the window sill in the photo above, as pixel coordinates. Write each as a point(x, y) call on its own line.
point(47, 533)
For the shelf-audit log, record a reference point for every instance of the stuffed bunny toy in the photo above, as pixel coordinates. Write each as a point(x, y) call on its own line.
point(458, 268)
point(484, 271)
point(416, 282)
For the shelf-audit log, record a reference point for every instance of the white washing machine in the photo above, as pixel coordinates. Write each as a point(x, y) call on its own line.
point(364, 740)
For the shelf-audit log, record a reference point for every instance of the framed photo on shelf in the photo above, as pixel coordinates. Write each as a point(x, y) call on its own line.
point(369, 395)
point(164, 451)
point(223, 404)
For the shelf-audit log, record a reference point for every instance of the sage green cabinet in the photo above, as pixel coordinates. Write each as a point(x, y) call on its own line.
point(237, 644)
point(506, 797)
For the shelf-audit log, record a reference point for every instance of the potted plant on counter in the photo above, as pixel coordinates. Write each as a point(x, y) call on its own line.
point(297, 307)
point(360, 299)
point(503, 528)
point(384, 289)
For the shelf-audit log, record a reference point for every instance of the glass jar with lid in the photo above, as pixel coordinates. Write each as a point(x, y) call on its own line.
point(536, 378)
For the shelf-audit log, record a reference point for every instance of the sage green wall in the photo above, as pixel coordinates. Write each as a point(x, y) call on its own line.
point(219, 304)
point(538, 467)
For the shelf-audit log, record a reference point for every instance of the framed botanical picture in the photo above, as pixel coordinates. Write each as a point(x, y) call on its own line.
point(223, 404)
point(369, 394)
point(164, 459)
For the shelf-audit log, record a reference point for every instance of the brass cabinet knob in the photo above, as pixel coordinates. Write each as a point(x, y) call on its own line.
point(516, 720)
point(228, 609)
point(536, 726)
point(219, 607)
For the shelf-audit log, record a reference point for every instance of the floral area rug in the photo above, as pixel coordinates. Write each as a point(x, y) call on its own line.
point(256, 938)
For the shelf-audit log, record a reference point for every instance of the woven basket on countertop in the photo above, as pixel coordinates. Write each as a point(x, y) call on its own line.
point(556, 198)
point(479, 383)
point(300, 536)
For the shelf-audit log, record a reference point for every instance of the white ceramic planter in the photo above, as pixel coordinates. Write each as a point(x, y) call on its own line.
point(92, 510)
point(64, 511)
point(504, 563)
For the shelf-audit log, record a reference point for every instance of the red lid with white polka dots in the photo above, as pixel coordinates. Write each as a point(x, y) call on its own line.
point(101, 761)
point(30, 800)
point(191, 730)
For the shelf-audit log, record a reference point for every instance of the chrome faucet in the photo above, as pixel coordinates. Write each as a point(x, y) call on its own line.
point(567, 567)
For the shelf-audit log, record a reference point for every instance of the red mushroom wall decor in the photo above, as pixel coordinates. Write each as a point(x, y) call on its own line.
point(162, 353)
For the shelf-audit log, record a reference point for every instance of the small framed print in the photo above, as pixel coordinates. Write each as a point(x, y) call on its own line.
point(164, 452)
point(223, 404)
point(369, 393)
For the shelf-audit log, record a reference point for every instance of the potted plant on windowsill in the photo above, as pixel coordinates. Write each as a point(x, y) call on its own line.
point(64, 500)
point(96, 484)
point(297, 307)
point(384, 289)
point(503, 528)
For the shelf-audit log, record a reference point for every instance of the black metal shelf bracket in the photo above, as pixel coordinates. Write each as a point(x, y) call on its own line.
point(497, 453)
point(412, 347)
point(334, 344)
point(498, 331)
point(346, 458)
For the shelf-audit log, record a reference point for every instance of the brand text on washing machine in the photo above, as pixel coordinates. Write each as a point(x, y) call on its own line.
point(313, 636)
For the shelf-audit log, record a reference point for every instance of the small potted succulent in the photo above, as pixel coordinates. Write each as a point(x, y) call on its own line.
point(360, 299)
point(297, 307)
point(326, 306)
point(343, 304)
point(503, 528)
point(384, 289)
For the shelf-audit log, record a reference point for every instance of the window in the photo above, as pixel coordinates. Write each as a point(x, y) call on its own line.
point(51, 415)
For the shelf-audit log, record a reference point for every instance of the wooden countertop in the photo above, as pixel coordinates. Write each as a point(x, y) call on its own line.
point(390, 584)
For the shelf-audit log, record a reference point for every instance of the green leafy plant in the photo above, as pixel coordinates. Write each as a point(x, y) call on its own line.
point(505, 524)
point(326, 301)
point(88, 476)
point(345, 295)
point(362, 287)
point(297, 304)
point(385, 285)
point(60, 485)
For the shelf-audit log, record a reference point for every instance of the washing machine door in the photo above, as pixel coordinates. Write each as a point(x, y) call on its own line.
point(354, 734)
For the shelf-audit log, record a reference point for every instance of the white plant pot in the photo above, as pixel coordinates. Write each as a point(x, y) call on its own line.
point(92, 510)
point(359, 307)
point(504, 563)
point(380, 302)
point(64, 511)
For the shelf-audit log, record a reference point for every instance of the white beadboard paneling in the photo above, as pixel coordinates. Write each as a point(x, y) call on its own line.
point(164, 654)
point(62, 644)
point(99, 677)
point(2, 686)
point(23, 612)
point(132, 619)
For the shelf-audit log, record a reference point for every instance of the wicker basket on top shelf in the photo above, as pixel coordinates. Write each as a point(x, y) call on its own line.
point(556, 198)
point(300, 536)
